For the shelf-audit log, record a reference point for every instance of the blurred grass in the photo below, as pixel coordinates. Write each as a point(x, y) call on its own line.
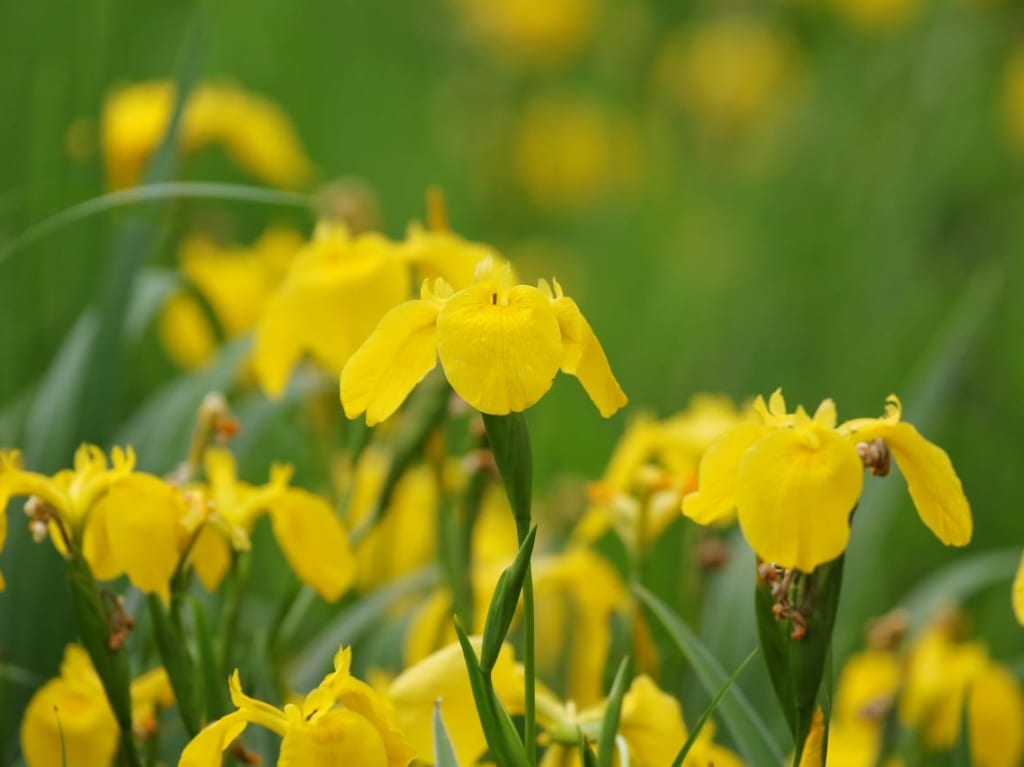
point(826, 270)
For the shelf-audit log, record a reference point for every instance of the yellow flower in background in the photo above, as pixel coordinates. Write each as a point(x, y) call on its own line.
point(572, 153)
point(878, 16)
point(794, 480)
point(337, 289)
point(732, 73)
point(305, 526)
point(235, 281)
point(653, 465)
point(1013, 99)
point(500, 346)
point(529, 32)
point(70, 715)
point(443, 677)
point(438, 253)
point(406, 537)
point(253, 131)
point(651, 724)
point(865, 692)
point(1017, 596)
point(342, 721)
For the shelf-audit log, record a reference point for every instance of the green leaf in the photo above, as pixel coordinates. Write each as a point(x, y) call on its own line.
point(752, 737)
point(509, 439)
point(502, 739)
point(612, 712)
point(171, 642)
point(211, 674)
point(444, 754)
point(962, 749)
point(709, 711)
point(587, 756)
point(796, 665)
point(503, 604)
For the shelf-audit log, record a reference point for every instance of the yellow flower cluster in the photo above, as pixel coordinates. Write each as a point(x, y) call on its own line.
point(794, 480)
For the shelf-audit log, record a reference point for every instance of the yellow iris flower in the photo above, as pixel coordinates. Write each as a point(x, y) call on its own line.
point(500, 346)
point(1018, 592)
point(651, 724)
point(342, 721)
point(794, 480)
point(73, 708)
point(443, 677)
point(311, 537)
point(253, 131)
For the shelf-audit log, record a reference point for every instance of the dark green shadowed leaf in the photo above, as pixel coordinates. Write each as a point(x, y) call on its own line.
point(503, 604)
point(612, 713)
point(210, 672)
point(172, 643)
point(709, 711)
point(444, 754)
point(797, 655)
point(962, 749)
point(752, 737)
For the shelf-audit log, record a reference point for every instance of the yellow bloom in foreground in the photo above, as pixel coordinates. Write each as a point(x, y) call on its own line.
point(500, 346)
point(254, 132)
point(336, 291)
point(73, 707)
point(310, 535)
point(443, 677)
point(342, 721)
point(795, 479)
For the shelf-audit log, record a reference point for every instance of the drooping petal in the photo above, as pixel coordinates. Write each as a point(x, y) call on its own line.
point(651, 722)
point(143, 515)
point(314, 542)
point(443, 676)
point(585, 359)
point(206, 749)
point(96, 546)
point(337, 738)
point(397, 355)
point(715, 498)
point(500, 349)
point(795, 491)
point(373, 707)
point(76, 718)
point(931, 479)
point(211, 556)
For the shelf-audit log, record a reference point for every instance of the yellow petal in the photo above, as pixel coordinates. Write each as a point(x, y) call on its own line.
point(211, 556)
point(3, 527)
point(585, 359)
point(715, 498)
point(443, 676)
point(206, 748)
point(185, 332)
point(314, 542)
point(143, 515)
point(96, 546)
point(1018, 593)
point(996, 718)
point(652, 723)
point(795, 491)
point(397, 355)
point(336, 738)
point(815, 742)
point(500, 349)
point(444, 254)
point(931, 480)
point(362, 699)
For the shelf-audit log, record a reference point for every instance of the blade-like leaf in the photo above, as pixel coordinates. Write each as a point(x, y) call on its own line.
point(504, 602)
point(707, 713)
point(612, 712)
point(752, 737)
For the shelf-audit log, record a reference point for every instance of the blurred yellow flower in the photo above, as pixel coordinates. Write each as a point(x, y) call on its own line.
point(732, 73)
point(235, 281)
point(500, 345)
point(865, 692)
point(253, 131)
point(70, 716)
point(795, 479)
point(1018, 591)
point(443, 677)
point(406, 537)
point(310, 535)
point(878, 16)
point(570, 153)
point(342, 721)
point(529, 32)
point(651, 724)
point(337, 289)
point(653, 465)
